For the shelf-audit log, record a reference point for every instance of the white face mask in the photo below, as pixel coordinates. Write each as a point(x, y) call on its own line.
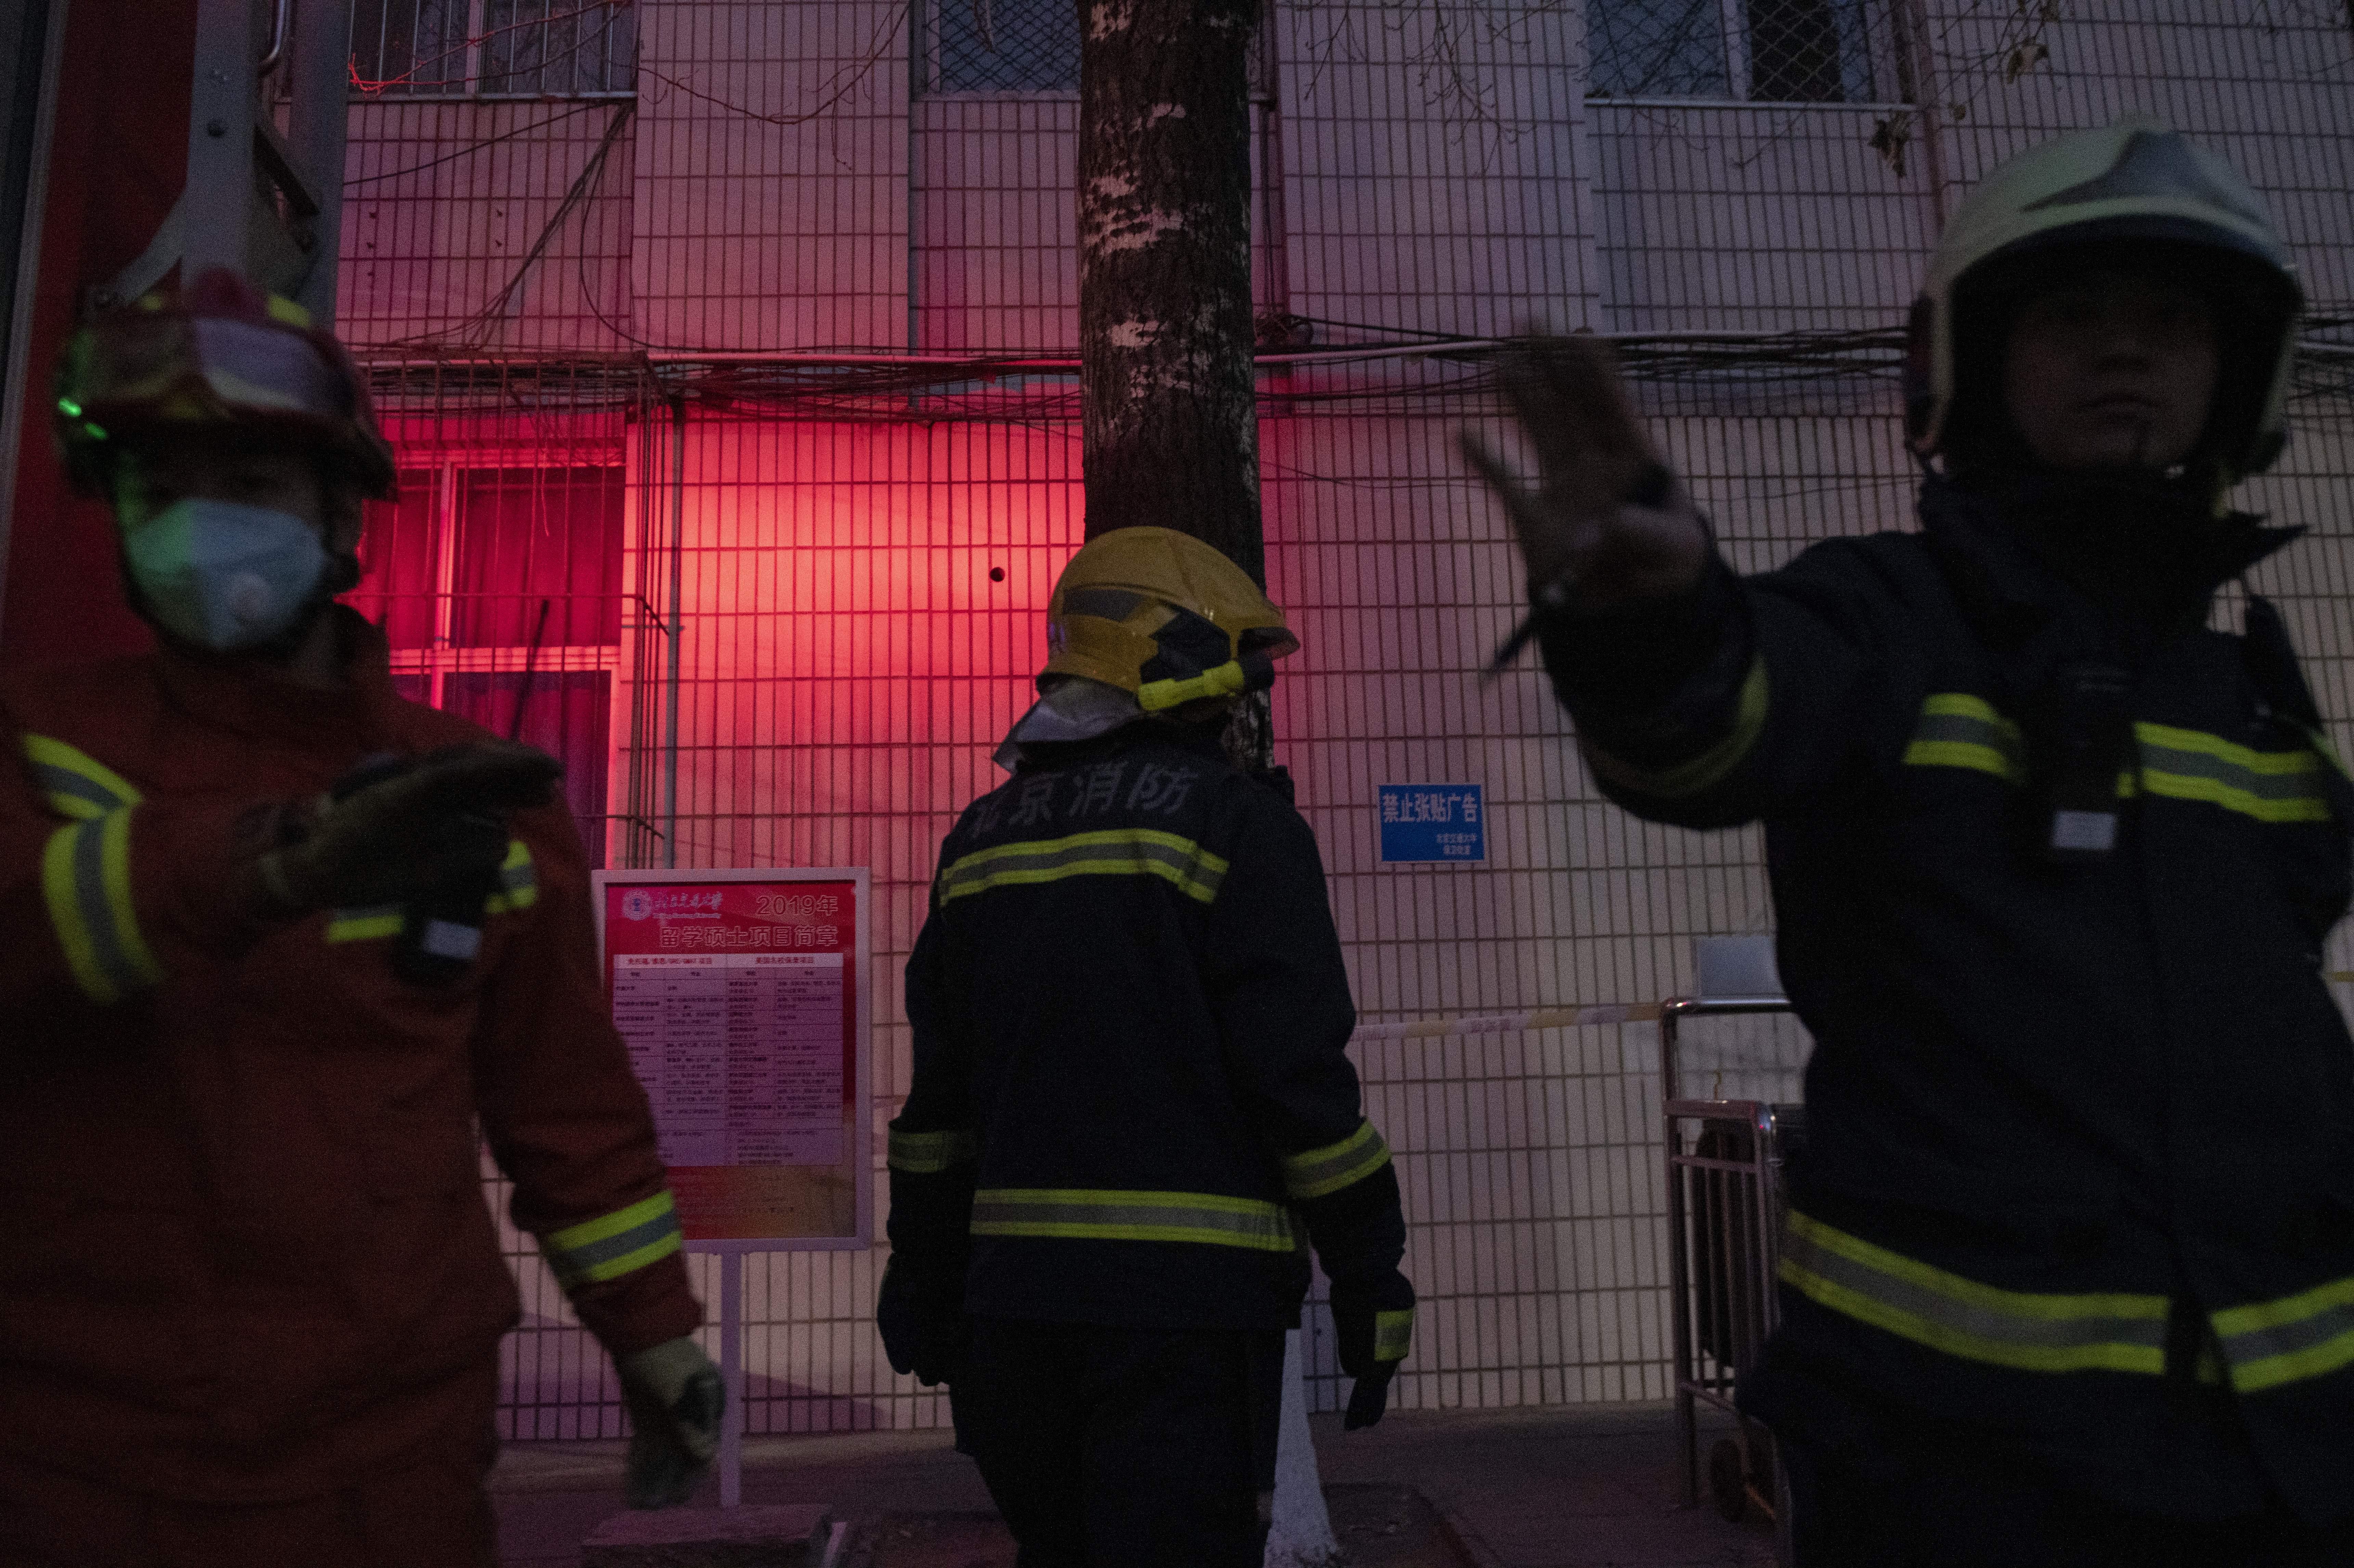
point(223, 575)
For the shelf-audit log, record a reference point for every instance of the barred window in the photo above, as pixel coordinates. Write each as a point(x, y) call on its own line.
point(499, 588)
point(494, 48)
point(1002, 46)
point(1775, 51)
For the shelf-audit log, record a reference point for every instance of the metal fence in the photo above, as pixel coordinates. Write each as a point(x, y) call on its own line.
point(838, 566)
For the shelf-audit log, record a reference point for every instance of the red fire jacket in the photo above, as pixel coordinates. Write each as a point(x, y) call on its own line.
point(244, 1254)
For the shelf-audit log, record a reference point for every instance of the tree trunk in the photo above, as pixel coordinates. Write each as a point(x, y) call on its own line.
point(1169, 423)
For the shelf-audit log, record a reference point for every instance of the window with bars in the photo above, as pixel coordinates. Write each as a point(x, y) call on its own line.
point(499, 586)
point(494, 48)
point(1022, 46)
point(1774, 51)
point(1002, 46)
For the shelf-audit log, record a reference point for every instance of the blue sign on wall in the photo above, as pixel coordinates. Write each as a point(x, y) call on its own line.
point(1433, 821)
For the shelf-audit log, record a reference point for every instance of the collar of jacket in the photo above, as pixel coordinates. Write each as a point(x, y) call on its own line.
point(1049, 757)
point(2139, 559)
point(251, 699)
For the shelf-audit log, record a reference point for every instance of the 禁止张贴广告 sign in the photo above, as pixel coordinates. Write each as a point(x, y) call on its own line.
point(1433, 821)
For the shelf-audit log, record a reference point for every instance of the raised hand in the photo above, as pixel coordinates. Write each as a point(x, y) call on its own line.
point(1607, 524)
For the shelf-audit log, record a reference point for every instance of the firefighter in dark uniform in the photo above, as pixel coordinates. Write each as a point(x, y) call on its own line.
point(2069, 1271)
point(1130, 1114)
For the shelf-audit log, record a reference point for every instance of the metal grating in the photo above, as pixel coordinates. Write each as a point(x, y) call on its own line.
point(493, 48)
point(813, 558)
point(1004, 46)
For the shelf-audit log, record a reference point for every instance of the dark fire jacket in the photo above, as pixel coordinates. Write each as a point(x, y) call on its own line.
point(1131, 1099)
point(2081, 1166)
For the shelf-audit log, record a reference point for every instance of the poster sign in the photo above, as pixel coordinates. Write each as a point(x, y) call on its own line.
point(743, 998)
point(1433, 821)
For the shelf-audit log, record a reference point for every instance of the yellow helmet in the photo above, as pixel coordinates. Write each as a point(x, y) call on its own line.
point(2155, 199)
point(1164, 616)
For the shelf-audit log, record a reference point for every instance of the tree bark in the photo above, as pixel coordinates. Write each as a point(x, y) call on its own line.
point(1168, 424)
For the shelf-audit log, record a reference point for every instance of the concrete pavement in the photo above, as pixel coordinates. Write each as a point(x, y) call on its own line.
point(1545, 1486)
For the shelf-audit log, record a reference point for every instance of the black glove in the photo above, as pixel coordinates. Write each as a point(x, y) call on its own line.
point(923, 1332)
point(1373, 1320)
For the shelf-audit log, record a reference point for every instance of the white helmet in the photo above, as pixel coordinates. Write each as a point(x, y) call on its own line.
point(2155, 198)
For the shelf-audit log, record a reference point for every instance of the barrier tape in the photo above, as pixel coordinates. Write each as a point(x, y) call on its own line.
point(1567, 1018)
point(1512, 1023)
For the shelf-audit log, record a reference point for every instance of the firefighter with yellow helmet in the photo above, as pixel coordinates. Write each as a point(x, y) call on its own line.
point(1130, 1115)
point(277, 944)
point(2068, 1270)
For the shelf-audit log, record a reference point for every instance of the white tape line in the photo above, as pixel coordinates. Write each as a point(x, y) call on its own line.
point(1512, 1022)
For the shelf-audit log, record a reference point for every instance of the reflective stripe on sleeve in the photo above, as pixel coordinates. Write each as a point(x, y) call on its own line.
point(1711, 767)
point(1336, 1165)
point(1957, 730)
point(1393, 1335)
point(2270, 786)
point(1133, 1216)
point(617, 1244)
point(928, 1153)
point(2307, 1335)
point(77, 784)
point(2029, 1332)
point(1113, 852)
point(86, 882)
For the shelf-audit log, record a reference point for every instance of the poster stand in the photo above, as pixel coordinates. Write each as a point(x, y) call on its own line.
point(746, 998)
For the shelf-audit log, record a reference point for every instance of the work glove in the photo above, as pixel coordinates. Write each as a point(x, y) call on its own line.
point(926, 1337)
point(394, 827)
point(1607, 524)
point(675, 1400)
point(1373, 1321)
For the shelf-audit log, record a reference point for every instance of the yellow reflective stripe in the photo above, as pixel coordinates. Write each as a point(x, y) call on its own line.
point(2307, 1335)
point(1711, 767)
point(1093, 1215)
point(77, 784)
point(518, 881)
point(86, 883)
point(60, 888)
point(1224, 681)
point(927, 1153)
point(518, 889)
point(1957, 730)
point(614, 1245)
point(1112, 852)
point(2270, 786)
point(1393, 1335)
point(1336, 1165)
point(2022, 1330)
point(363, 924)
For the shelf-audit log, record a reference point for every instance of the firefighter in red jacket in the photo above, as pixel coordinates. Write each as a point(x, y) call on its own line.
point(275, 940)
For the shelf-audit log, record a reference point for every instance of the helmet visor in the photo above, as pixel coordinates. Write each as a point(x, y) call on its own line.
point(172, 367)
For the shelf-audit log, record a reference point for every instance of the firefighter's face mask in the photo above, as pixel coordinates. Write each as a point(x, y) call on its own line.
point(2111, 371)
point(225, 575)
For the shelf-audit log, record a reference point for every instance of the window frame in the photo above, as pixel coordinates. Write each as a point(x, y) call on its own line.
point(443, 468)
point(471, 49)
point(1732, 18)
